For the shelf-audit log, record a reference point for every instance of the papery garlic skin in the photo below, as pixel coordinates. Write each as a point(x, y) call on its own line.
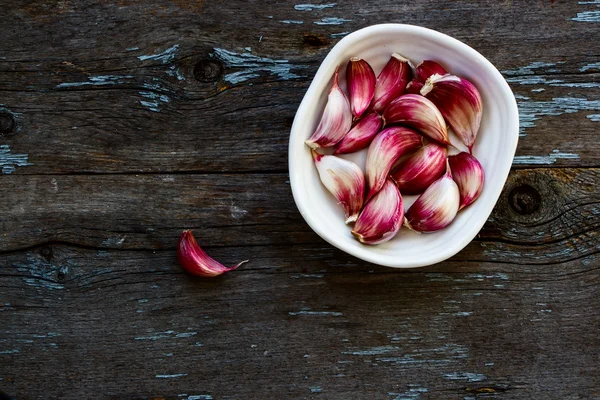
point(360, 80)
point(426, 68)
point(344, 180)
point(414, 87)
point(361, 135)
point(382, 217)
point(436, 208)
point(336, 120)
point(387, 147)
point(417, 172)
point(391, 82)
point(459, 102)
point(419, 113)
point(468, 174)
point(195, 261)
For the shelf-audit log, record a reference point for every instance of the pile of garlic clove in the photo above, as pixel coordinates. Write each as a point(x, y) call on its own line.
point(402, 116)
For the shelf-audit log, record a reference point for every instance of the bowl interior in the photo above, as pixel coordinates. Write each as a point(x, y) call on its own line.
point(494, 148)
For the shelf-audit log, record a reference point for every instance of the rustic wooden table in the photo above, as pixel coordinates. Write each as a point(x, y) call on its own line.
point(123, 123)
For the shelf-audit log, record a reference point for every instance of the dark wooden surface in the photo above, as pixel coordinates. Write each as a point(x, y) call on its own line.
point(123, 123)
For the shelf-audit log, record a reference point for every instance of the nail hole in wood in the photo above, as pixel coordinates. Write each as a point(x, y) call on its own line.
point(314, 41)
point(61, 274)
point(525, 199)
point(208, 70)
point(47, 253)
point(7, 122)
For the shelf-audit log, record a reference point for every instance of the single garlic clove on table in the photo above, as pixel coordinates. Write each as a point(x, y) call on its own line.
point(382, 217)
point(459, 102)
point(345, 181)
point(419, 113)
point(417, 172)
point(361, 135)
point(468, 175)
point(436, 207)
point(360, 79)
point(387, 147)
point(195, 261)
point(336, 120)
point(391, 82)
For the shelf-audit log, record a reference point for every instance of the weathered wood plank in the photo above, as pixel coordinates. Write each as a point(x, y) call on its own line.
point(135, 104)
point(198, 98)
point(543, 216)
point(295, 323)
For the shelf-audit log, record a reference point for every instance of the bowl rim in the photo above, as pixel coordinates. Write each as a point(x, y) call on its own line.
point(512, 140)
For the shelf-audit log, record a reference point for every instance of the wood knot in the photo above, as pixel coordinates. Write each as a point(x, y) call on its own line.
point(208, 70)
point(525, 199)
point(314, 41)
point(47, 253)
point(7, 123)
point(61, 274)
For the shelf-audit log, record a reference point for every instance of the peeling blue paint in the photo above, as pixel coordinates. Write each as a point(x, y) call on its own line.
point(373, 351)
point(152, 86)
point(332, 21)
point(318, 313)
point(9, 161)
point(292, 21)
point(176, 72)
point(132, 48)
point(538, 80)
point(545, 160)
point(114, 241)
point(465, 376)
point(587, 16)
point(154, 100)
point(413, 393)
point(339, 34)
point(590, 66)
point(524, 75)
point(594, 117)
point(156, 336)
point(40, 273)
point(196, 396)
point(13, 351)
point(171, 376)
point(252, 65)
point(164, 57)
point(315, 389)
point(481, 277)
point(464, 314)
point(583, 85)
point(531, 110)
point(101, 80)
point(311, 7)
point(533, 80)
point(531, 68)
point(186, 334)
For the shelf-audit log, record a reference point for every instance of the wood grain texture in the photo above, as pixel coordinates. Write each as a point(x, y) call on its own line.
point(123, 123)
point(85, 102)
point(508, 315)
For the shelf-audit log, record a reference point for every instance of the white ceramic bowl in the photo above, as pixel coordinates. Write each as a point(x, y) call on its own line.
point(495, 145)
